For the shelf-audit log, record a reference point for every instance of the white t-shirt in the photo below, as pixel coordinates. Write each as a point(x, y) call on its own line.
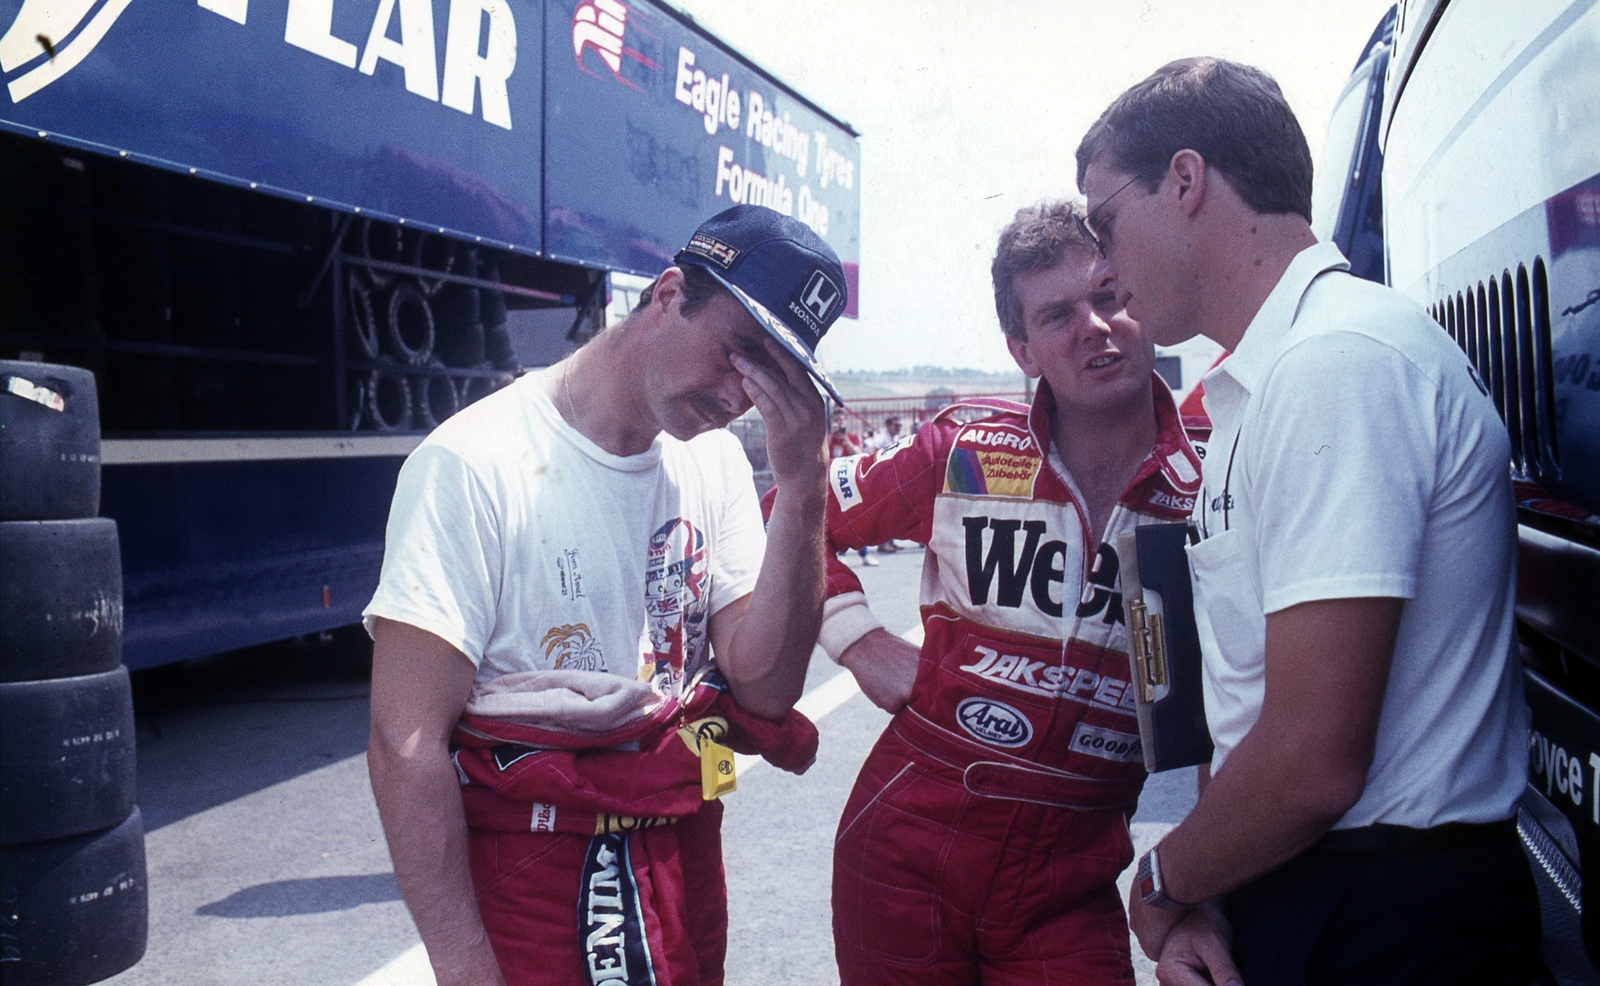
point(1354, 453)
point(528, 547)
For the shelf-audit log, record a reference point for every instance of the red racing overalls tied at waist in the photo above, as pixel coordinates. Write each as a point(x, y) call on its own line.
point(597, 859)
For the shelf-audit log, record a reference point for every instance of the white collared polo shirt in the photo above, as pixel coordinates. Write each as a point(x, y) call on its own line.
point(1354, 453)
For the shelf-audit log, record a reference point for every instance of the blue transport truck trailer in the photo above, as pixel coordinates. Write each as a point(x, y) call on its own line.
point(290, 236)
point(1462, 166)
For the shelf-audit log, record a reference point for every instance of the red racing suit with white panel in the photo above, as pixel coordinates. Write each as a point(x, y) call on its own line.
point(986, 830)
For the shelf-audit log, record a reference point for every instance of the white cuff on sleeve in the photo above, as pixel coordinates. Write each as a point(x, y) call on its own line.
point(846, 618)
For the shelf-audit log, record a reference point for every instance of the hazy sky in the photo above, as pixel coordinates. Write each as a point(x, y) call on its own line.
point(970, 110)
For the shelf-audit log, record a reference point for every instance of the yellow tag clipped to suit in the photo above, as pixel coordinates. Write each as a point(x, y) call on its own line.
point(716, 760)
point(716, 770)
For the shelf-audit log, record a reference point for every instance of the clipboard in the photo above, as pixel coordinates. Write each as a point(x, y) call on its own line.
point(1163, 646)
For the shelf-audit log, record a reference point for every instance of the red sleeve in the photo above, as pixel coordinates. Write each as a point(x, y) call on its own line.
point(840, 578)
point(878, 496)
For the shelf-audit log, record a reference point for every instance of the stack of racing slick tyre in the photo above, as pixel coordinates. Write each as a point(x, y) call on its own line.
point(74, 904)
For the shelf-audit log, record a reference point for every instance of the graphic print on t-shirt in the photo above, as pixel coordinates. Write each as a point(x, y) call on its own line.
point(573, 648)
point(571, 579)
point(676, 596)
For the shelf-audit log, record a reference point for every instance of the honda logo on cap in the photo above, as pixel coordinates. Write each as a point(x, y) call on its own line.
point(820, 295)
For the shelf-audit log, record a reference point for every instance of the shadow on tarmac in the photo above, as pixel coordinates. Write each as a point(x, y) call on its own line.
point(218, 728)
point(313, 895)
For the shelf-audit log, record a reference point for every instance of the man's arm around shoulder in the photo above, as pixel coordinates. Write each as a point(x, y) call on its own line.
point(420, 685)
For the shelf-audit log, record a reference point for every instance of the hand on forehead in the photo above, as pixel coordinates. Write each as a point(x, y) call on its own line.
point(756, 345)
point(765, 355)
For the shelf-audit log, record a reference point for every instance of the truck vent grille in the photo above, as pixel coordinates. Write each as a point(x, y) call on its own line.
point(1503, 325)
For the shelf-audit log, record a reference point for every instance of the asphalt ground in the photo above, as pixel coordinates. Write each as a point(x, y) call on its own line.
point(267, 864)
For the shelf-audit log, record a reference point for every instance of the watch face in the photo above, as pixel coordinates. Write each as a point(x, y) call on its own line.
point(1147, 885)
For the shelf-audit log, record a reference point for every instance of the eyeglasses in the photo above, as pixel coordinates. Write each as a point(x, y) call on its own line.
point(1099, 245)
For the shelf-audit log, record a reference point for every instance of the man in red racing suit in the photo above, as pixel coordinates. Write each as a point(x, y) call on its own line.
point(986, 830)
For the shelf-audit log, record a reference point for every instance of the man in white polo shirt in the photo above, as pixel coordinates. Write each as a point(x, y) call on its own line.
point(1354, 575)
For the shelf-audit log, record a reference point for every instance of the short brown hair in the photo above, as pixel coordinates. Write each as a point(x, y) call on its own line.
point(699, 287)
point(1234, 115)
point(1037, 238)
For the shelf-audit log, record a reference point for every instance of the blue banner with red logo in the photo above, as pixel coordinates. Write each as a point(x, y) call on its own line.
point(428, 110)
point(594, 132)
point(652, 127)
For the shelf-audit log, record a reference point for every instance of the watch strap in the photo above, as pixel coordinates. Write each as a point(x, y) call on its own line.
point(1152, 889)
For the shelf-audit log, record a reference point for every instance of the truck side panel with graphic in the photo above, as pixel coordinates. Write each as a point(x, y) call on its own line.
point(290, 236)
point(1476, 166)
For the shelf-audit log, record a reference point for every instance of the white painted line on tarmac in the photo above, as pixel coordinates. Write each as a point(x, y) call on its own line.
point(828, 696)
point(814, 704)
point(411, 968)
point(820, 701)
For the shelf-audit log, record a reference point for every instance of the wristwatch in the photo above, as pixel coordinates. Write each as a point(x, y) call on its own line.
point(1150, 886)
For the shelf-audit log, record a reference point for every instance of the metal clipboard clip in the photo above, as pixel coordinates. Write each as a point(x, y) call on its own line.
point(1149, 650)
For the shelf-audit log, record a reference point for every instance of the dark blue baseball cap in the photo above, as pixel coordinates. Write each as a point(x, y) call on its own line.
point(789, 280)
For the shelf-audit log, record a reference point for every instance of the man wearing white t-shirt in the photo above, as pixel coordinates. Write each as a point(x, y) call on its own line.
point(546, 717)
point(1353, 562)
